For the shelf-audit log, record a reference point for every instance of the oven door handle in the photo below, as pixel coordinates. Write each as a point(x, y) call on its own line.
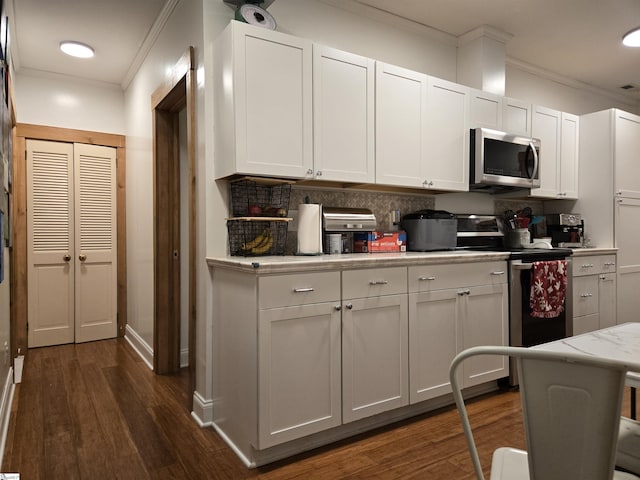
point(521, 266)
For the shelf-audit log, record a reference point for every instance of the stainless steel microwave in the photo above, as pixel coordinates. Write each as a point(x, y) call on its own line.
point(500, 159)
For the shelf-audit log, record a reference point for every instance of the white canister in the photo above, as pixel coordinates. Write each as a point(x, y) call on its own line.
point(333, 243)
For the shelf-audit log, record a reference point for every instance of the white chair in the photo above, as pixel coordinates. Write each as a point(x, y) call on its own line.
point(628, 454)
point(571, 407)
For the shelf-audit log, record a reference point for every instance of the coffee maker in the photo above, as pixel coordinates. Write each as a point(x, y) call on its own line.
point(566, 230)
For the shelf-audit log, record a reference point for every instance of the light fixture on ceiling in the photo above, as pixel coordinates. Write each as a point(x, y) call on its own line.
point(632, 38)
point(77, 49)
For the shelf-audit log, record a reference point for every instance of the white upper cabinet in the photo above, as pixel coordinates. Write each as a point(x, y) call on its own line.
point(546, 127)
point(343, 114)
point(516, 117)
point(485, 110)
point(447, 121)
point(569, 155)
point(401, 100)
point(422, 128)
point(263, 116)
point(558, 133)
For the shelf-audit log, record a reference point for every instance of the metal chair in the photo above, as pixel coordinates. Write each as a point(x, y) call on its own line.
point(571, 407)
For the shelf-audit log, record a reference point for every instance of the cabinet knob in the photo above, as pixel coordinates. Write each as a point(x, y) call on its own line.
point(338, 307)
point(349, 306)
point(82, 258)
point(310, 171)
point(67, 258)
point(464, 291)
point(319, 173)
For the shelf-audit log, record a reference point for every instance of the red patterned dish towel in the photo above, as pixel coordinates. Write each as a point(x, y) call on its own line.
point(548, 288)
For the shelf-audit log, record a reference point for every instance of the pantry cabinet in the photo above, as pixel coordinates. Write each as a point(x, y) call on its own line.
point(263, 114)
point(343, 114)
point(452, 308)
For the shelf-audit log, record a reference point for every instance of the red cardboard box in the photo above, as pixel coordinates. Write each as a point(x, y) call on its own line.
point(374, 242)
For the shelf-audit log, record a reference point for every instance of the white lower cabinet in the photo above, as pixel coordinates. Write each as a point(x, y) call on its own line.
point(594, 293)
point(298, 356)
point(444, 321)
point(375, 376)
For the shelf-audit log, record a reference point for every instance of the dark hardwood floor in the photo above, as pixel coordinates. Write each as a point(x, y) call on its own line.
point(95, 411)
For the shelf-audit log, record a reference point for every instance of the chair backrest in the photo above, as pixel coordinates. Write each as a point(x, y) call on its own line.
point(571, 407)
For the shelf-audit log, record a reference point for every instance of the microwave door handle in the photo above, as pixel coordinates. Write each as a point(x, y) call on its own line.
point(535, 160)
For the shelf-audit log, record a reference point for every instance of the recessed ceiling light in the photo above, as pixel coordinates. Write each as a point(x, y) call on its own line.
point(632, 38)
point(77, 49)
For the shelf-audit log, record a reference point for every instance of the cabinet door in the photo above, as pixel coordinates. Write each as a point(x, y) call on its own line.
point(607, 299)
point(374, 356)
point(569, 159)
point(433, 343)
point(485, 110)
point(627, 146)
point(447, 162)
point(485, 318)
point(298, 372)
point(627, 232)
point(545, 125)
point(516, 117)
point(273, 101)
point(401, 99)
point(343, 113)
point(585, 296)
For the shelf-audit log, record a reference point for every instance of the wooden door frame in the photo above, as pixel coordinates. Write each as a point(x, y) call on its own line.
point(19, 267)
point(167, 101)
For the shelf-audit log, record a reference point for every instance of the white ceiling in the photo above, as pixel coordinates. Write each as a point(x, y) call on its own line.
point(577, 39)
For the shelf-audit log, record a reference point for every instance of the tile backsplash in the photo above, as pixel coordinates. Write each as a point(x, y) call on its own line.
point(382, 203)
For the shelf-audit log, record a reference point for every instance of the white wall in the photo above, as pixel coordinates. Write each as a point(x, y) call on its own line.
point(61, 101)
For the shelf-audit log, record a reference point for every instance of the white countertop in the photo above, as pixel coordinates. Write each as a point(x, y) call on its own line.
point(291, 263)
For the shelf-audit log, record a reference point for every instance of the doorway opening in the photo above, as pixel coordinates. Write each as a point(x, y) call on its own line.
point(174, 235)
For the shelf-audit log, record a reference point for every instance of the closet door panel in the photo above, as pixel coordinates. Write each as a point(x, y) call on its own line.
point(50, 240)
point(95, 231)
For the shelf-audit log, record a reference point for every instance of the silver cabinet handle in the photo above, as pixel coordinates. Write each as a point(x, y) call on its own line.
point(338, 307)
point(353, 226)
point(424, 279)
point(349, 306)
point(586, 265)
point(319, 173)
point(586, 295)
point(302, 290)
point(609, 264)
point(310, 171)
point(378, 282)
point(499, 272)
point(464, 291)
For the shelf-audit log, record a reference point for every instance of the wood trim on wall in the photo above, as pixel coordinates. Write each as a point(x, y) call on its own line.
point(19, 293)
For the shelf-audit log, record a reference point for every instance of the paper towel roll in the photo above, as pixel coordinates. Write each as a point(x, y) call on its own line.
point(309, 229)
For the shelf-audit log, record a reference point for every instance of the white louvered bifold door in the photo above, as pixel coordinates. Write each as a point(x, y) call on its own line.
point(50, 243)
point(95, 241)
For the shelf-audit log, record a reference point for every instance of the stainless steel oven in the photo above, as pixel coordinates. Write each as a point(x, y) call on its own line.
point(526, 330)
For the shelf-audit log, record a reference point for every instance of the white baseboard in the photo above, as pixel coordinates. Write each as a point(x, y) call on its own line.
point(202, 410)
point(141, 347)
point(5, 410)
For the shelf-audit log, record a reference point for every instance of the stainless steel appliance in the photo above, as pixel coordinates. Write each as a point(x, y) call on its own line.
point(566, 230)
point(500, 160)
point(429, 230)
point(483, 232)
point(345, 221)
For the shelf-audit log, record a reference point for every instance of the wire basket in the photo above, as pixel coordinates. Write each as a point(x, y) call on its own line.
point(250, 238)
point(253, 199)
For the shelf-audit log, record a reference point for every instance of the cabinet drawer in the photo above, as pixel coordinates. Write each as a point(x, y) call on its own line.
point(426, 278)
point(373, 282)
point(585, 295)
point(594, 264)
point(298, 289)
